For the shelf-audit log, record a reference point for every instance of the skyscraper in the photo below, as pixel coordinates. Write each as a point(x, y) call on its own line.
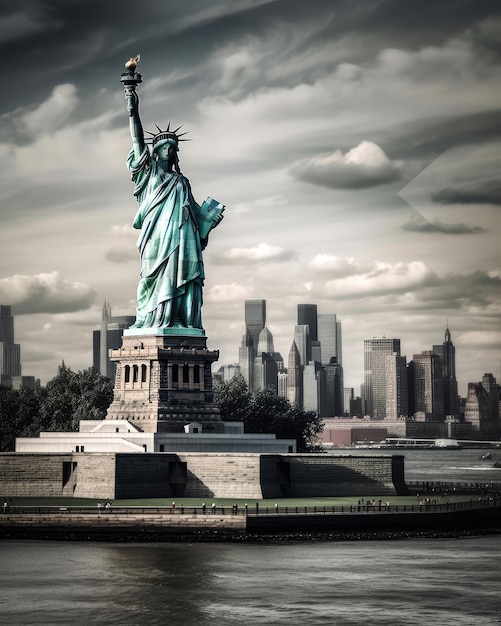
point(246, 358)
point(476, 410)
point(329, 335)
point(6, 324)
point(447, 354)
point(108, 337)
point(267, 362)
point(255, 321)
point(294, 376)
point(307, 316)
point(10, 354)
point(302, 339)
point(428, 387)
point(396, 387)
point(331, 392)
point(374, 389)
point(494, 405)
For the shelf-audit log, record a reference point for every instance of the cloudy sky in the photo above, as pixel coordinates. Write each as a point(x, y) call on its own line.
point(355, 144)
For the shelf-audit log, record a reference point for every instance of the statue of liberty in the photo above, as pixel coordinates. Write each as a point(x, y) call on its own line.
point(174, 228)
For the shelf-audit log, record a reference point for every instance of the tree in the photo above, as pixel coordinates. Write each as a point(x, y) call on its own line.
point(18, 411)
point(73, 396)
point(67, 399)
point(233, 398)
point(265, 412)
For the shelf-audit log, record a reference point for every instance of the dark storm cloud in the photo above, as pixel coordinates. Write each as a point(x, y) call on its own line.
point(45, 293)
point(420, 225)
point(482, 192)
point(462, 292)
point(90, 39)
point(432, 137)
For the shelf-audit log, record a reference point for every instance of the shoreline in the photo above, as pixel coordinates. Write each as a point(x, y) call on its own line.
point(214, 536)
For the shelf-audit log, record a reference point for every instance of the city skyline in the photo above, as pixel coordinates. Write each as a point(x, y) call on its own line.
point(355, 148)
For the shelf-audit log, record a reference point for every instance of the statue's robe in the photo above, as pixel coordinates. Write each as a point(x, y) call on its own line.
point(169, 292)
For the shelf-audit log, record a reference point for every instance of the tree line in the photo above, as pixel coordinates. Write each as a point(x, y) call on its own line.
point(86, 395)
point(59, 406)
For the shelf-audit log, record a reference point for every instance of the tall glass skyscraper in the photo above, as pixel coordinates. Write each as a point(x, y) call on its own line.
point(255, 319)
point(374, 388)
point(255, 322)
point(329, 335)
point(307, 316)
point(10, 352)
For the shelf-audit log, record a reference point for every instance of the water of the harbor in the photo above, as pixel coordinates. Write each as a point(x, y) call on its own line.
point(405, 581)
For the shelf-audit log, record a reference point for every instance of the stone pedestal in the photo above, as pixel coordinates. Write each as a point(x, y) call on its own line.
point(164, 382)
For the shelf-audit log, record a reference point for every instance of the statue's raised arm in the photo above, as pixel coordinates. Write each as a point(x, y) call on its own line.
point(131, 79)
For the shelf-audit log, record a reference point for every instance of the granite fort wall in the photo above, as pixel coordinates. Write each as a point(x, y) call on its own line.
point(33, 474)
point(198, 475)
point(329, 475)
point(222, 475)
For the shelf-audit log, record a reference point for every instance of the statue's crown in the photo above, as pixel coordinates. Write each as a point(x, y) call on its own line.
point(166, 135)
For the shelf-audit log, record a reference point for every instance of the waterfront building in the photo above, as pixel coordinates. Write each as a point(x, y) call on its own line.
point(494, 392)
point(482, 408)
point(374, 388)
point(476, 410)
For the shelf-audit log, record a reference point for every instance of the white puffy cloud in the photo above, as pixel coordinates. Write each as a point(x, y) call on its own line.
point(347, 278)
point(263, 252)
point(232, 292)
point(366, 165)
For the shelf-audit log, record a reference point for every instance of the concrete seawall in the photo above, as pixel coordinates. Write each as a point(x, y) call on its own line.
point(180, 527)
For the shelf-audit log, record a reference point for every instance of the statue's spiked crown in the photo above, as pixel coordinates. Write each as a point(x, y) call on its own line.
point(167, 135)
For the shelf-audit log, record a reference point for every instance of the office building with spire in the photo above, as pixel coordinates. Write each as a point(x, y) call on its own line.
point(108, 337)
point(447, 353)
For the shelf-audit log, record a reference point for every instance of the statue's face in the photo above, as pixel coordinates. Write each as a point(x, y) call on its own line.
point(163, 151)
